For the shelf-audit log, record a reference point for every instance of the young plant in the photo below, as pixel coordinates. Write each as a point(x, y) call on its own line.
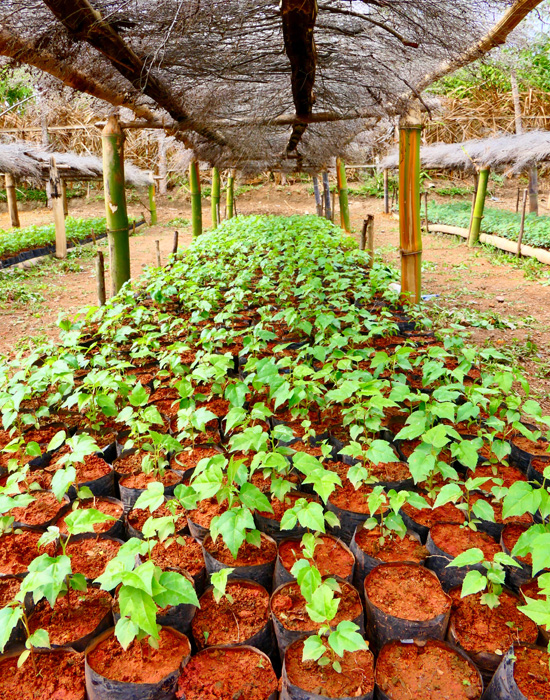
point(491, 581)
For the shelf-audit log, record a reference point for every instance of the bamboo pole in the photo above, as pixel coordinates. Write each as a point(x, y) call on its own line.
point(333, 205)
point(410, 129)
point(112, 139)
point(11, 196)
point(64, 197)
point(479, 207)
point(58, 213)
point(230, 195)
point(370, 239)
point(426, 211)
point(343, 195)
point(175, 244)
point(157, 248)
point(162, 166)
point(100, 276)
point(363, 238)
point(153, 202)
point(196, 204)
point(326, 195)
point(386, 191)
point(318, 198)
point(522, 225)
point(216, 187)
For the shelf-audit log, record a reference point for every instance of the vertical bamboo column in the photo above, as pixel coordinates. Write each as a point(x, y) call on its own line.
point(326, 196)
point(58, 213)
point(153, 201)
point(230, 195)
point(196, 204)
point(162, 165)
point(215, 197)
point(64, 197)
point(479, 207)
point(317, 193)
point(11, 196)
point(112, 139)
point(386, 191)
point(343, 195)
point(410, 128)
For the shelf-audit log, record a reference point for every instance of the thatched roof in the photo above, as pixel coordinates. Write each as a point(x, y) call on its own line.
point(27, 161)
point(275, 84)
point(509, 153)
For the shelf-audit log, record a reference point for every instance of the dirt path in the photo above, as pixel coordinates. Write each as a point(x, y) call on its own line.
point(473, 287)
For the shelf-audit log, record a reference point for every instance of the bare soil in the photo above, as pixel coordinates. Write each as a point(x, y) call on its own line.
point(179, 553)
point(138, 516)
point(454, 540)
point(90, 556)
point(393, 549)
point(248, 554)
point(531, 672)
point(60, 677)
point(17, 551)
point(104, 506)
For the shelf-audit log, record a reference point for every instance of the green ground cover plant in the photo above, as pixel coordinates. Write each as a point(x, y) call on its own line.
point(15, 240)
point(496, 221)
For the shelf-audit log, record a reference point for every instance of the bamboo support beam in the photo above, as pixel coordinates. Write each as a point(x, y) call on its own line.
point(153, 203)
point(58, 211)
point(370, 239)
point(343, 195)
point(326, 195)
point(522, 225)
point(230, 195)
point(64, 197)
point(100, 276)
point(196, 203)
point(11, 196)
point(410, 129)
point(157, 248)
point(112, 139)
point(479, 207)
point(318, 198)
point(386, 191)
point(215, 197)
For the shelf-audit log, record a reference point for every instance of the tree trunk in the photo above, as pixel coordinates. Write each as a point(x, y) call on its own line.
point(317, 193)
point(112, 139)
point(533, 174)
point(326, 195)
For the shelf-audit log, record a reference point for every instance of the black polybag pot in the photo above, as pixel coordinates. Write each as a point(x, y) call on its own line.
point(261, 573)
point(383, 627)
point(64, 508)
point(521, 457)
point(534, 474)
point(437, 562)
point(129, 496)
point(199, 532)
point(99, 687)
point(286, 637)
point(104, 486)
point(289, 691)
point(503, 685)
point(349, 522)
point(381, 695)
point(516, 576)
point(282, 575)
point(263, 640)
point(364, 563)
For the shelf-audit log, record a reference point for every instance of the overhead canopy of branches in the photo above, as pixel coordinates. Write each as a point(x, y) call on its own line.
point(268, 84)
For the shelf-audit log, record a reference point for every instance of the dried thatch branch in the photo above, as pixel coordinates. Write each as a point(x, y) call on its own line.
point(84, 22)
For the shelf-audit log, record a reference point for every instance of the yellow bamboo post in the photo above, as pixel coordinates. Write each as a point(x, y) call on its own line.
point(230, 195)
point(11, 196)
point(152, 201)
point(410, 129)
point(215, 197)
point(386, 191)
point(58, 213)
